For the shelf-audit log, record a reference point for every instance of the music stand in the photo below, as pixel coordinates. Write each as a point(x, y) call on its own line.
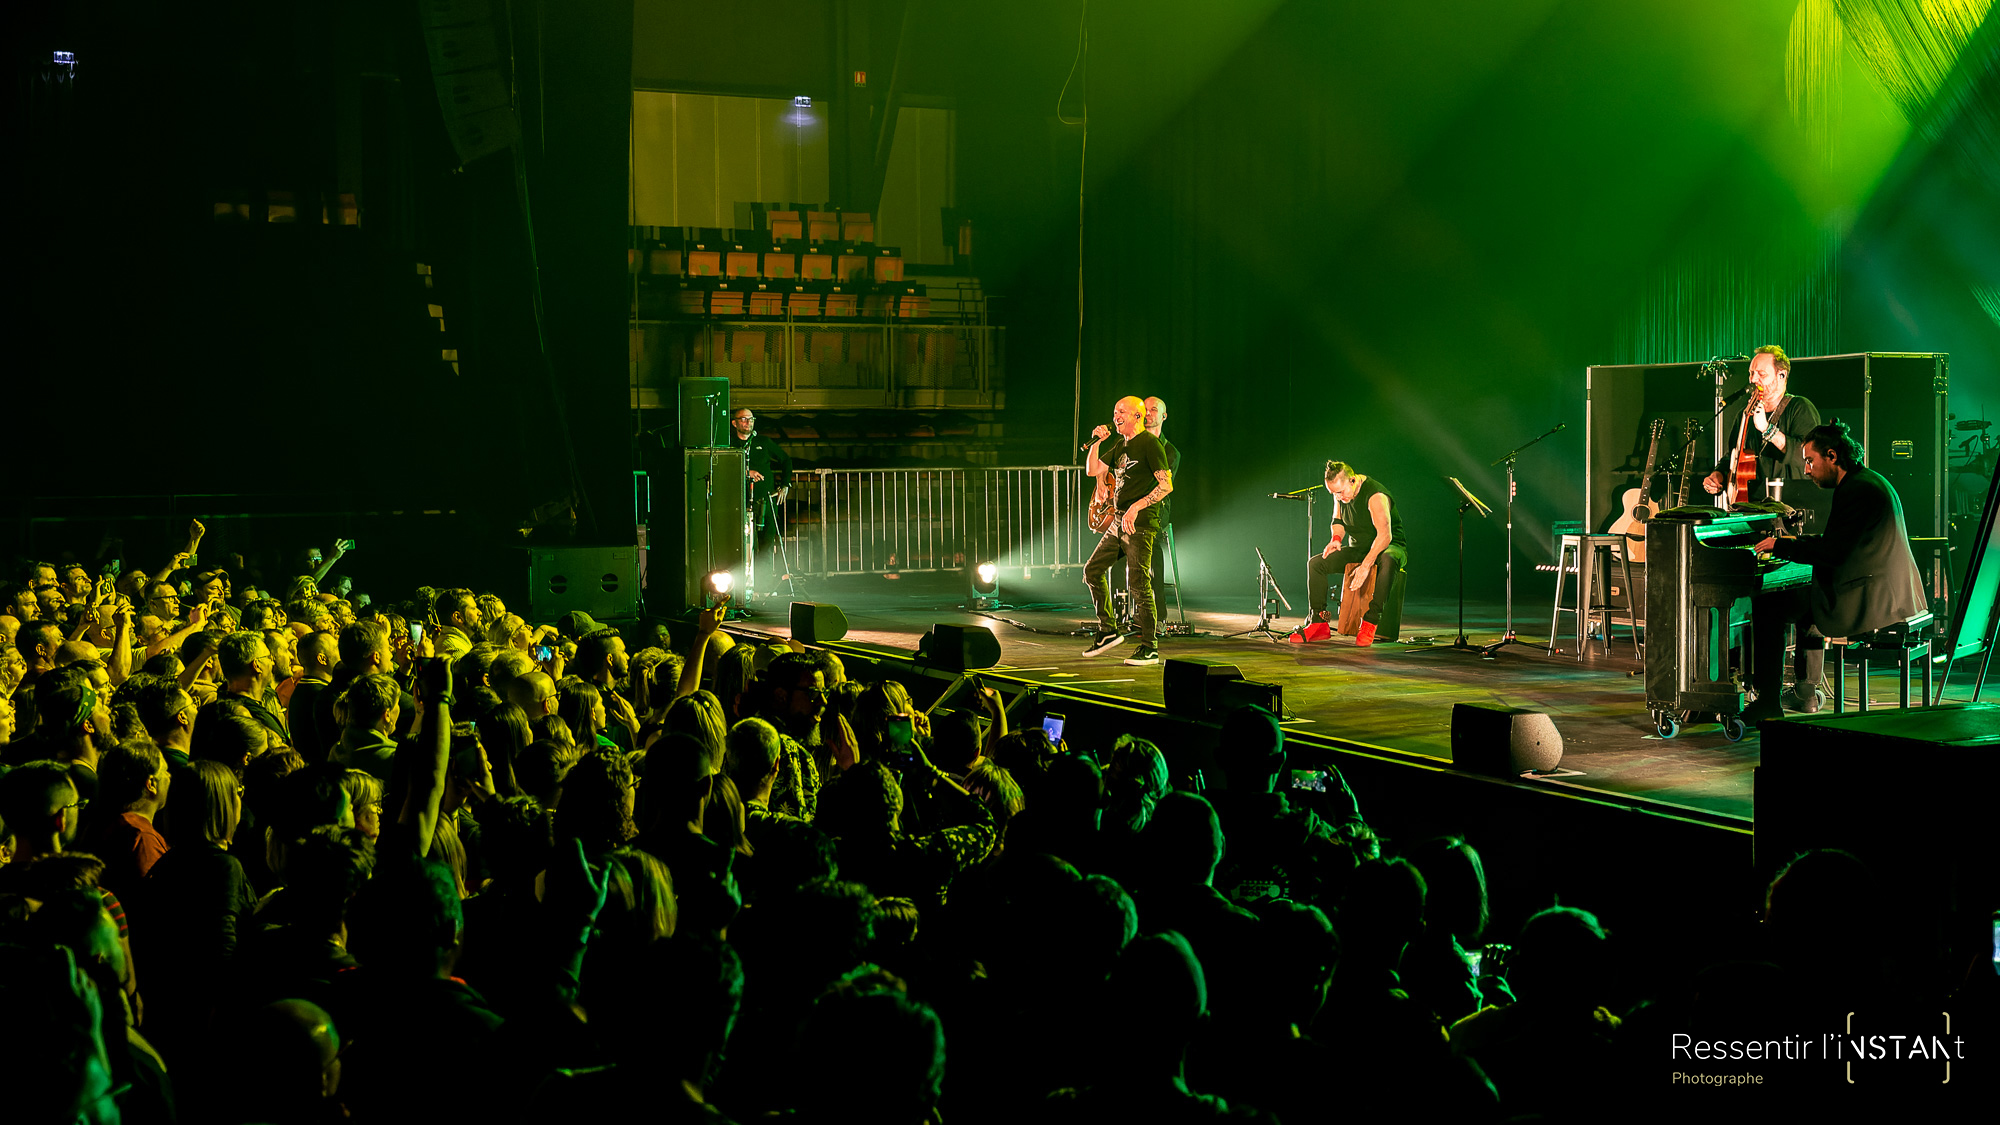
point(1466, 501)
point(1266, 586)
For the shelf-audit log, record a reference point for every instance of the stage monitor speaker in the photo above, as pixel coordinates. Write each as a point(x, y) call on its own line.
point(703, 406)
point(601, 581)
point(1228, 695)
point(958, 648)
point(1194, 687)
point(1503, 741)
point(815, 623)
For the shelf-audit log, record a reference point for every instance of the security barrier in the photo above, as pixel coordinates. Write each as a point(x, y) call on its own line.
point(878, 521)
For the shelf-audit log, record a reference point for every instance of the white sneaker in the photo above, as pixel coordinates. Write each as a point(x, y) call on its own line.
point(1104, 643)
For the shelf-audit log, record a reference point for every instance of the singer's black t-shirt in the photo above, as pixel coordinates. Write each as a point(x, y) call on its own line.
point(1133, 462)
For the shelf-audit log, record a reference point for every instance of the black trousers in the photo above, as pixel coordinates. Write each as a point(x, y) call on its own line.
point(1771, 616)
point(1160, 569)
point(1137, 551)
point(766, 529)
point(1322, 567)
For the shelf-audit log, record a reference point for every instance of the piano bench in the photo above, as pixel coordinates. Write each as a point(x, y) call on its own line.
point(1904, 642)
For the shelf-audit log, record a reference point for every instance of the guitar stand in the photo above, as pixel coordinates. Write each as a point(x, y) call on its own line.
point(1267, 585)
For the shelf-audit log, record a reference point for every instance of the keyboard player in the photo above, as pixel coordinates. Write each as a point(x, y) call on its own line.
point(1863, 575)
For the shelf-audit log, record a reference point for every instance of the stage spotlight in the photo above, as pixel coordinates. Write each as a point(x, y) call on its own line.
point(986, 586)
point(718, 585)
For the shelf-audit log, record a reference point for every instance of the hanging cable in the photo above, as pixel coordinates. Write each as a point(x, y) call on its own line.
point(1080, 63)
point(518, 154)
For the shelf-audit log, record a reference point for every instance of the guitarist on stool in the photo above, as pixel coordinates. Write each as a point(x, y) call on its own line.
point(1768, 437)
point(1133, 469)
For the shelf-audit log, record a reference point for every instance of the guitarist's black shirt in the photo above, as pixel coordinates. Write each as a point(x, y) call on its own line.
point(1133, 462)
point(1796, 418)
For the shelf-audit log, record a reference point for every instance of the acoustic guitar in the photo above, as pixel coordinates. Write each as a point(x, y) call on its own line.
point(1103, 513)
point(1637, 504)
point(1743, 466)
point(1687, 464)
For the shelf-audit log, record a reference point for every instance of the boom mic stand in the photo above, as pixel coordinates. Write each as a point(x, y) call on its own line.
point(1266, 586)
point(1512, 455)
point(1307, 495)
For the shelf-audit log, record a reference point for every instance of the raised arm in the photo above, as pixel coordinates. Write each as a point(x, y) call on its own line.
point(340, 547)
point(197, 617)
point(705, 625)
point(186, 555)
point(996, 710)
point(420, 805)
point(119, 663)
point(191, 671)
point(1091, 465)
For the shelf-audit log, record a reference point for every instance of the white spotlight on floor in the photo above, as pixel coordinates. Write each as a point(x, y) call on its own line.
point(986, 585)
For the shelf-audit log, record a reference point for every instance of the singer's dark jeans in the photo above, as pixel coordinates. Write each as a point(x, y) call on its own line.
point(1323, 567)
point(1137, 551)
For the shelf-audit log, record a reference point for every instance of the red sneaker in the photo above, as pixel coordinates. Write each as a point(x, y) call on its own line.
point(1366, 636)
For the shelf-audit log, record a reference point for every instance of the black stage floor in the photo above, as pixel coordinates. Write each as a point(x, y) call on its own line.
point(1397, 696)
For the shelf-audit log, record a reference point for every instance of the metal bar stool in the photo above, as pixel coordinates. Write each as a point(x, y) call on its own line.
point(1905, 642)
point(1578, 555)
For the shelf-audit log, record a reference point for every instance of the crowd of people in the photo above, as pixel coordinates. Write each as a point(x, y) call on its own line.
point(303, 856)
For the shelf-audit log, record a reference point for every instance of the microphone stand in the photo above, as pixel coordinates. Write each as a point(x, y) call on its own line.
point(1508, 459)
point(708, 490)
point(1307, 495)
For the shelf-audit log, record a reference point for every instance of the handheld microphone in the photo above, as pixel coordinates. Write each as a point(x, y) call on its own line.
point(1085, 447)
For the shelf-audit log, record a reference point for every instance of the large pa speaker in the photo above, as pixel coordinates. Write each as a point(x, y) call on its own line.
point(1503, 741)
point(468, 66)
point(702, 410)
point(957, 648)
point(685, 486)
point(816, 623)
point(1194, 687)
point(601, 581)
